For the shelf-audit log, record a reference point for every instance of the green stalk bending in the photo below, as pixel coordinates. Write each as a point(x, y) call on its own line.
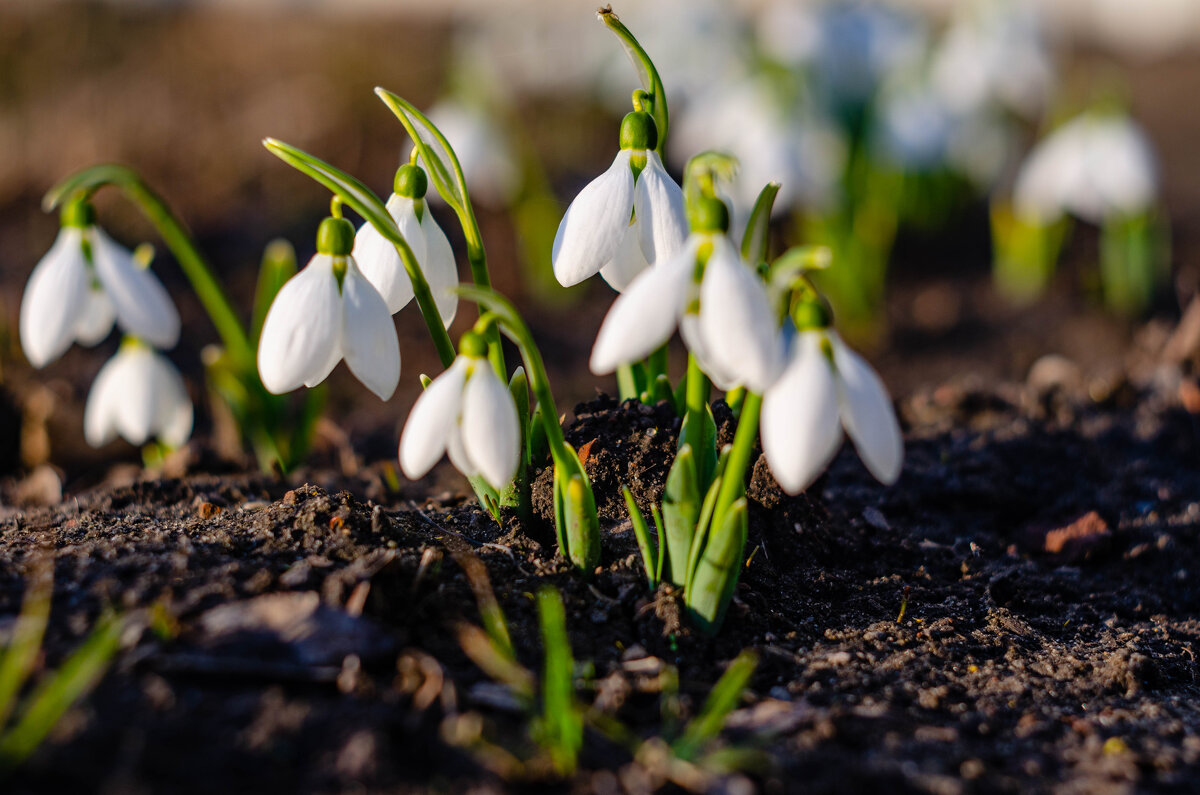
point(87, 182)
point(364, 202)
point(646, 72)
point(575, 519)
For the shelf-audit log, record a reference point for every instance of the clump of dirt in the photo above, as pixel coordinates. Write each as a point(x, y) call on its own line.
point(1017, 613)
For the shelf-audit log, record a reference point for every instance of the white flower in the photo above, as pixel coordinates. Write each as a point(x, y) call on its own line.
point(826, 387)
point(732, 332)
point(378, 261)
point(139, 395)
point(618, 226)
point(1094, 166)
point(84, 283)
point(467, 413)
point(327, 312)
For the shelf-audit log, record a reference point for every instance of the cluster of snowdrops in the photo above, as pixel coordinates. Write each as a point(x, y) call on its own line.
point(754, 326)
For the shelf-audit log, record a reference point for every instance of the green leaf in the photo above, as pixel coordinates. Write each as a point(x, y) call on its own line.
point(436, 153)
point(349, 189)
point(560, 729)
point(711, 588)
point(278, 265)
point(518, 493)
point(680, 513)
point(647, 73)
point(60, 690)
point(756, 237)
point(705, 521)
point(705, 443)
point(642, 532)
point(20, 655)
point(582, 527)
point(722, 699)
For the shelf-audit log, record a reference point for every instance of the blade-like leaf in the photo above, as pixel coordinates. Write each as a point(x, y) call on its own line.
point(647, 74)
point(722, 700)
point(680, 513)
point(641, 531)
point(19, 657)
point(754, 241)
point(561, 723)
point(717, 570)
point(436, 152)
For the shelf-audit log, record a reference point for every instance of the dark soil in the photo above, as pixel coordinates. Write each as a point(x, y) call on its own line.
point(1017, 613)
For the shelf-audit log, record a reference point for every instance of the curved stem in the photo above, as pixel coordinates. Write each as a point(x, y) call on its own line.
point(733, 481)
point(177, 239)
point(646, 71)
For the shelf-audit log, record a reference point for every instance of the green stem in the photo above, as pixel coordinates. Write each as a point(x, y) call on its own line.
point(626, 382)
point(175, 235)
point(698, 388)
point(648, 74)
point(424, 298)
point(477, 258)
point(733, 481)
point(657, 364)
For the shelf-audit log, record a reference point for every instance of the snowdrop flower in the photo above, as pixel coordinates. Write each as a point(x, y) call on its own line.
point(84, 283)
point(467, 413)
point(1094, 166)
point(628, 218)
point(327, 312)
point(377, 259)
point(139, 395)
point(724, 314)
point(827, 387)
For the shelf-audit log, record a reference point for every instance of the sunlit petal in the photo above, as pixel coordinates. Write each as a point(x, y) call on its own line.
point(303, 328)
point(491, 434)
point(100, 413)
point(142, 305)
point(369, 342)
point(591, 230)
point(433, 418)
point(96, 318)
point(173, 420)
point(658, 208)
point(627, 262)
point(801, 428)
point(868, 414)
point(54, 297)
point(137, 409)
point(441, 270)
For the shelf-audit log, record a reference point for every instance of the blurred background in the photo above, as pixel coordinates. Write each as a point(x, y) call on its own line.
point(999, 181)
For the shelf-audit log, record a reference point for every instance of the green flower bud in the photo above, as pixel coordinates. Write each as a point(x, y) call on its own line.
point(79, 213)
point(708, 214)
point(335, 237)
point(473, 345)
point(411, 182)
point(812, 314)
point(638, 131)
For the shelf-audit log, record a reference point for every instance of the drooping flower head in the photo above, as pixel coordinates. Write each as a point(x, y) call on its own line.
point(85, 282)
point(627, 219)
point(716, 300)
point(138, 395)
point(468, 414)
point(826, 387)
point(325, 313)
point(377, 258)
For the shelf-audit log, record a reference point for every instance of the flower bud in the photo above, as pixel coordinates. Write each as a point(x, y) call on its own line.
point(708, 214)
point(812, 314)
point(473, 345)
point(335, 237)
point(638, 131)
point(411, 182)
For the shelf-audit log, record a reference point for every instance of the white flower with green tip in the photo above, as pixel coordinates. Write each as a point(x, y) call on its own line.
point(84, 283)
point(827, 387)
point(380, 263)
point(627, 219)
point(468, 414)
point(327, 312)
point(724, 315)
point(138, 395)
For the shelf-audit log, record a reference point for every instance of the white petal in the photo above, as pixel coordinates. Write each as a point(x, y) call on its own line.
point(491, 433)
point(173, 418)
point(96, 318)
point(591, 230)
point(645, 315)
point(627, 262)
point(142, 305)
point(54, 297)
point(303, 329)
point(100, 413)
point(369, 341)
point(441, 271)
point(381, 265)
point(137, 409)
point(456, 451)
point(801, 429)
point(689, 330)
point(658, 210)
point(433, 418)
point(739, 328)
point(868, 414)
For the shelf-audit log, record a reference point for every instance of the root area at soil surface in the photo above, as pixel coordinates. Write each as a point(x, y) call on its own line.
point(1018, 613)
